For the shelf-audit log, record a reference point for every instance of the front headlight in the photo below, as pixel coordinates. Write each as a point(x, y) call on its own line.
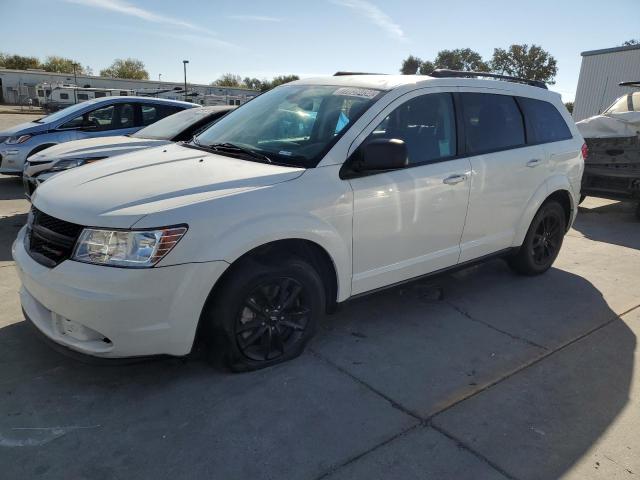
point(17, 139)
point(126, 248)
point(71, 163)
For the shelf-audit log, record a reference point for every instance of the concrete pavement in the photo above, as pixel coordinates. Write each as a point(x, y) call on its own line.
point(480, 374)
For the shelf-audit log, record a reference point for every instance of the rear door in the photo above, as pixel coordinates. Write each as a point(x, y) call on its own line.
point(506, 171)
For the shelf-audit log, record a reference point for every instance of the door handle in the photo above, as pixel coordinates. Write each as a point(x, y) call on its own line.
point(453, 179)
point(534, 162)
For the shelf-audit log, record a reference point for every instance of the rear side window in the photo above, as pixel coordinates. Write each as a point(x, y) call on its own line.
point(491, 122)
point(544, 122)
point(152, 113)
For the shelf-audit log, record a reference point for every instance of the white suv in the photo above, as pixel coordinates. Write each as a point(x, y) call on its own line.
point(313, 193)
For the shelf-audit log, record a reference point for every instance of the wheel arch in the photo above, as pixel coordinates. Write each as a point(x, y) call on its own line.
point(557, 188)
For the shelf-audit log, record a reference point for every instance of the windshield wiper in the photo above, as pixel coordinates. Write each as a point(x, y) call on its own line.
point(234, 148)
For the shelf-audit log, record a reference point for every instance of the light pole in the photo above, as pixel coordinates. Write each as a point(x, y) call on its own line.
point(159, 77)
point(75, 80)
point(184, 62)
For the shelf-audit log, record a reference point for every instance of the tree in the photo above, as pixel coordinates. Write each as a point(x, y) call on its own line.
point(461, 59)
point(126, 68)
point(569, 106)
point(633, 41)
point(410, 65)
point(64, 65)
point(281, 80)
point(533, 63)
point(229, 80)
point(18, 62)
point(252, 83)
point(426, 68)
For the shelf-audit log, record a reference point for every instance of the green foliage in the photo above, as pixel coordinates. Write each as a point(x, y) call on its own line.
point(58, 64)
point(18, 62)
point(533, 62)
point(633, 41)
point(410, 65)
point(229, 80)
point(569, 106)
point(461, 59)
point(279, 80)
point(520, 60)
point(126, 68)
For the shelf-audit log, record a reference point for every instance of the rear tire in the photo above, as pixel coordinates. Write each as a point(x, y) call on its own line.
point(543, 241)
point(264, 313)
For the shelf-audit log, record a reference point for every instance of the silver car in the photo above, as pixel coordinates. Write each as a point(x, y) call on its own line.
point(177, 127)
point(101, 117)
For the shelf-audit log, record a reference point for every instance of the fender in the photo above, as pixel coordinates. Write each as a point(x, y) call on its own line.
point(552, 184)
point(271, 228)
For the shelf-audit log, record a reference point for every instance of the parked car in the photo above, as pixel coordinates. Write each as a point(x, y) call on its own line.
point(101, 117)
point(612, 169)
point(245, 237)
point(178, 127)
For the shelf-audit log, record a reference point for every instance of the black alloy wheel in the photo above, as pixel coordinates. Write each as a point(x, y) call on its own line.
point(543, 240)
point(272, 319)
point(264, 312)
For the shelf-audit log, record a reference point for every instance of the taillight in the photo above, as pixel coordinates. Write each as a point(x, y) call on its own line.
point(585, 151)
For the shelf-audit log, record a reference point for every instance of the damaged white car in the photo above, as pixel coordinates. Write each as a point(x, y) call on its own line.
point(612, 169)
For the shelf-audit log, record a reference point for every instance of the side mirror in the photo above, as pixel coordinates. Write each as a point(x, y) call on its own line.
point(381, 154)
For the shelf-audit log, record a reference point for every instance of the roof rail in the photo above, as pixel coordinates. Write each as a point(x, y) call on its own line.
point(344, 74)
point(446, 73)
point(630, 84)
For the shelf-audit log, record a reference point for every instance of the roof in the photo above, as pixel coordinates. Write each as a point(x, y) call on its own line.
point(128, 98)
point(390, 82)
point(610, 50)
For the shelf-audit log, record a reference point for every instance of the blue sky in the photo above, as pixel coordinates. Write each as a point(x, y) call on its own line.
point(266, 38)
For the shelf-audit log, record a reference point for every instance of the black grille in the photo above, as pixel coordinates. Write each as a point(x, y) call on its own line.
point(50, 240)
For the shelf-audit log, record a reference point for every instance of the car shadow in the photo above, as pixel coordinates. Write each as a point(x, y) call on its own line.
point(596, 224)
point(408, 343)
point(11, 188)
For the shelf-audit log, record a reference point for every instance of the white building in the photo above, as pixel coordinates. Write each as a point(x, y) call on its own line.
point(17, 86)
point(600, 74)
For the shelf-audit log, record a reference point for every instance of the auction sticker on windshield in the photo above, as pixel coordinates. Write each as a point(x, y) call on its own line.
point(356, 92)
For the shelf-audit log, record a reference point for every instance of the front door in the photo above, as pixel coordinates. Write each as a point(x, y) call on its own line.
point(408, 222)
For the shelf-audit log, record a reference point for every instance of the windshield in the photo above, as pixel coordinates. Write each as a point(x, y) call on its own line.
point(294, 124)
point(626, 103)
point(170, 127)
point(64, 113)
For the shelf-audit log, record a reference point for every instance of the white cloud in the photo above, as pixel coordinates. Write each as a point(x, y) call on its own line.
point(374, 15)
point(126, 8)
point(254, 18)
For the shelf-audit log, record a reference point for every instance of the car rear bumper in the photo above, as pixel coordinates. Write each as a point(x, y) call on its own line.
point(115, 312)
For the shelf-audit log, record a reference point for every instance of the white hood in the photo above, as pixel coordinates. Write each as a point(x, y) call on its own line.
point(97, 147)
point(121, 191)
point(625, 124)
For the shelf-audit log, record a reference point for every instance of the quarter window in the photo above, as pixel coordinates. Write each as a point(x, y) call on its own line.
point(491, 122)
point(544, 122)
point(427, 126)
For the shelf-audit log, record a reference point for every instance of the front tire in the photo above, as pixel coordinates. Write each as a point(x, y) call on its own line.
point(264, 313)
point(543, 241)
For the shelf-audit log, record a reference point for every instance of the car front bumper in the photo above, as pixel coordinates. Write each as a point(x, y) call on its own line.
point(13, 158)
point(115, 312)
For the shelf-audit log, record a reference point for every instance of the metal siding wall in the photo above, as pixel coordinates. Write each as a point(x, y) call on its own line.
point(598, 82)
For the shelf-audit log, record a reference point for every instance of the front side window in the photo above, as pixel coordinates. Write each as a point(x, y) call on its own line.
point(292, 124)
point(491, 122)
point(427, 126)
point(544, 122)
point(99, 119)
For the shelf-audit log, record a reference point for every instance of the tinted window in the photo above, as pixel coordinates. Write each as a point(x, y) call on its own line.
point(99, 94)
point(126, 117)
point(544, 122)
point(83, 96)
point(427, 126)
point(153, 113)
point(491, 122)
point(64, 96)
